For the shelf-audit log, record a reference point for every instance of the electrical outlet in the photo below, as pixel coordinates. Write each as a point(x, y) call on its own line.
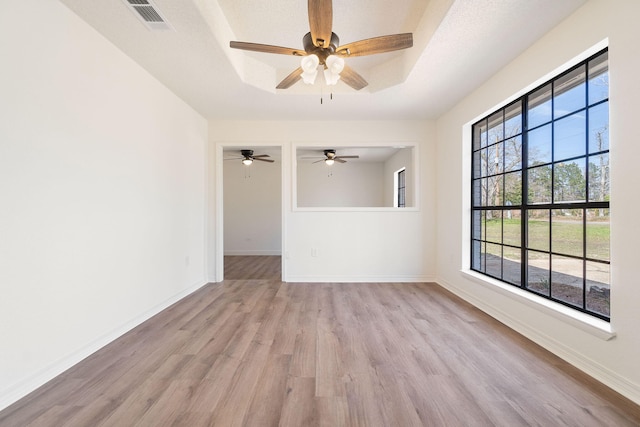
point(314, 252)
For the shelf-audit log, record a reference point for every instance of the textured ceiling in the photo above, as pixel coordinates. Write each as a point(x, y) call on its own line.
point(458, 44)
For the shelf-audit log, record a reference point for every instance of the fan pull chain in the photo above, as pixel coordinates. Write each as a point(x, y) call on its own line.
point(247, 173)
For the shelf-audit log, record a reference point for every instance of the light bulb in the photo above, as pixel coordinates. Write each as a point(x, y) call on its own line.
point(309, 65)
point(329, 162)
point(247, 162)
point(309, 78)
point(335, 64)
point(330, 78)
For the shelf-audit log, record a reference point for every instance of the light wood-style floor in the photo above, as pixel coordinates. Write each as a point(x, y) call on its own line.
point(252, 267)
point(267, 353)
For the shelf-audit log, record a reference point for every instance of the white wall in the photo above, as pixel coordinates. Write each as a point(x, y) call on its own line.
point(102, 192)
point(615, 362)
point(252, 208)
point(365, 245)
point(354, 184)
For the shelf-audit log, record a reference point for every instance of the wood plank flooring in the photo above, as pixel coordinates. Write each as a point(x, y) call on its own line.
point(268, 353)
point(252, 267)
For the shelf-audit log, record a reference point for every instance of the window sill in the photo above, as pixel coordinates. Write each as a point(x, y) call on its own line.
point(592, 325)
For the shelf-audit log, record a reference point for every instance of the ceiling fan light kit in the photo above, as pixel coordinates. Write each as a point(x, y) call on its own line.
point(322, 48)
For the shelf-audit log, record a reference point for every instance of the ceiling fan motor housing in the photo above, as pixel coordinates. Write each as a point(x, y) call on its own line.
point(330, 153)
point(320, 51)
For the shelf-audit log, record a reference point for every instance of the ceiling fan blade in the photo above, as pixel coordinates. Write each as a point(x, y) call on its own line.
point(339, 160)
point(352, 78)
point(264, 160)
point(261, 155)
point(320, 21)
point(291, 79)
point(347, 157)
point(376, 45)
point(267, 48)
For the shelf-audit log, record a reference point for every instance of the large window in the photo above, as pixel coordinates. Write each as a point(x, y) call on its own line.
point(540, 190)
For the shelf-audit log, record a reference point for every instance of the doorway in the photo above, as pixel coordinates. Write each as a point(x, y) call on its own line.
point(251, 212)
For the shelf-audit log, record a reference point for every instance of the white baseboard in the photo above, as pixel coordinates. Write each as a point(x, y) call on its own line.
point(252, 252)
point(17, 391)
point(359, 279)
point(590, 367)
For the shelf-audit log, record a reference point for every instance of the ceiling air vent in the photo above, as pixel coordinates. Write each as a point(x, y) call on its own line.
point(148, 14)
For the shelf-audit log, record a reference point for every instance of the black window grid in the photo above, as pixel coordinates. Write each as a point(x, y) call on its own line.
point(401, 189)
point(490, 135)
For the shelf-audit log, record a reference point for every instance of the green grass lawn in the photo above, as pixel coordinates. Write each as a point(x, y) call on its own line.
point(567, 236)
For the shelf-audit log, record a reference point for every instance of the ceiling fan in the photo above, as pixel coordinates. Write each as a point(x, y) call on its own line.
point(331, 157)
point(248, 157)
point(322, 47)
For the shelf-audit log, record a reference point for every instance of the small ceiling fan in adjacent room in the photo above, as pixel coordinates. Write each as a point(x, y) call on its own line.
point(248, 157)
point(330, 157)
point(322, 48)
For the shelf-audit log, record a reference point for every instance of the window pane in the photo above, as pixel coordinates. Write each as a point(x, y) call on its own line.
point(498, 157)
point(494, 159)
point(513, 154)
point(538, 272)
point(566, 232)
point(494, 190)
point(598, 288)
point(513, 189)
point(599, 178)
point(496, 128)
point(569, 181)
point(599, 78)
point(511, 228)
point(477, 192)
point(566, 280)
point(477, 162)
point(569, 92)
point(478, 221)
point(512, 265)
point(599, 128)
point(570, 137)
point(598, 232)
point(494, 226)
point(476, 256)
point(538, 230)
point(539, 105)
point(480, 135)
point(539, 183)
point(484, 162)
point(484, 191)
point(513, 120)
point(494, 260)
point(539, 146)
